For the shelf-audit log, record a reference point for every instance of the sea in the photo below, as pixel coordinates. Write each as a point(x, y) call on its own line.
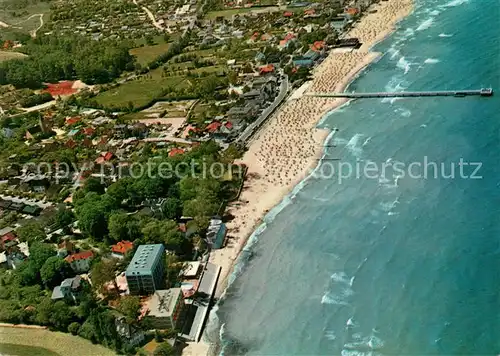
point(403, 260)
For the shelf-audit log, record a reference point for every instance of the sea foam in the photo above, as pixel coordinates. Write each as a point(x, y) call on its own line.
point(404, 65)
point(329, 299)
point(454, 3)
point(426, 24)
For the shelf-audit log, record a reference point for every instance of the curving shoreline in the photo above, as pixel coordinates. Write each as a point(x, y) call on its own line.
point(289, 146)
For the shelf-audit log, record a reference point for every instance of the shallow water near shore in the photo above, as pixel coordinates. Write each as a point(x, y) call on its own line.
point(389, 265)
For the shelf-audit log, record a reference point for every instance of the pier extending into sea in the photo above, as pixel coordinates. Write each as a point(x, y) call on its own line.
point(456, 93)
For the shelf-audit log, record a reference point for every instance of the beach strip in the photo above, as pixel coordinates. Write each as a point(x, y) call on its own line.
point(287, 148)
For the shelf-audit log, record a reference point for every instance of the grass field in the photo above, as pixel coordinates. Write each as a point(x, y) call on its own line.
point(5, 56)
point(139, 92)
point(28, 342)
point(147, 53)
point(19, 19)
point(229, 13)
point(21, 350)
point(226, 13)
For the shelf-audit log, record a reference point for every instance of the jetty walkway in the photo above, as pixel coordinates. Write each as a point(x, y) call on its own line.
point(456, 93)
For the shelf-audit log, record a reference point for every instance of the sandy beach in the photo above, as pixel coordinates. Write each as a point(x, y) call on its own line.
point(289, 146)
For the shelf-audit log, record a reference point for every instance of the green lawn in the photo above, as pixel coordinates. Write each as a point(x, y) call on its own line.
point(147, 54)
point(23, 350)
point(226, 13)
point(24, 341)
point(139, 92)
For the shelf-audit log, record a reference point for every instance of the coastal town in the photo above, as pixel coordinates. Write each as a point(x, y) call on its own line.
point(111, 227)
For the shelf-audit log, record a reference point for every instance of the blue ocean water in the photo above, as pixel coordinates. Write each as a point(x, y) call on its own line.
point(390, 264)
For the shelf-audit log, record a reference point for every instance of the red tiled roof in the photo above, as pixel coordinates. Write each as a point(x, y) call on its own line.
point(175, 151)
point(61, 88)
point(266, 69)
point(79, 256)
point(108, 156)
point(10, 236)
point(229, 125)
point(288, 14)
point(89, 131)
point(317, 45)
point(122, 247)
point(72, 120)
point(213, 126)
point(352, 11)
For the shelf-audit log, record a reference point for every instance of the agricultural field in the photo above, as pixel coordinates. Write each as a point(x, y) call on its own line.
point(140, 91)
point(212, 15)
point(30, 341)
point(147, 54)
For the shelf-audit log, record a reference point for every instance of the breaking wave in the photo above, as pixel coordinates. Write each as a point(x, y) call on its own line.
point(454, 3)
point(426, 24)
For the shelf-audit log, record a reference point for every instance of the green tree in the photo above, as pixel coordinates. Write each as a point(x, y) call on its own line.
point(130, 307)
point(92, 213)
point(93, 185)
point(74, 328)
point(54, 270)
point(201, 207)
point(149, 40)
point(164, 231)
point(44, 311)
point(64, 217)
point(31, 232)
point(28, 273)
point(164, 349)
point(39, 253)
point(61, 315)
point(123, 227)
point(119, 190)
point(103, 272)
point(172, 208)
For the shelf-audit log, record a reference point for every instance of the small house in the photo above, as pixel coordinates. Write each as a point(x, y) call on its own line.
point(68, 289)
point(121, 248)
point(80, 262)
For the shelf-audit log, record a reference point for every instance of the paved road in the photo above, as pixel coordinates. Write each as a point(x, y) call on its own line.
point(254, 126)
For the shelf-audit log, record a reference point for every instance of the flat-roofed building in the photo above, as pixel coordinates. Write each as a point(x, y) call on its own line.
point(145, 273)
point(166, 309)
